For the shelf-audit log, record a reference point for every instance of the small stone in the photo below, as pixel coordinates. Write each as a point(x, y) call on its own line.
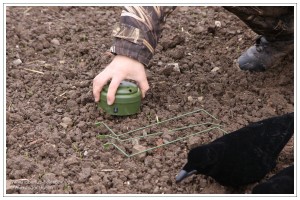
point(48, 150)
point(49, 178)
point(200, 98)
point(17, 62)
point(84, 84)
point(194, 141)
point(176, 67)
point(148, 161)
point(204, 14)
point(55, 41)
point(199, 29)
point(167, 136)
point(217, 23)
point(190, 98)
point(84, 175)
point(66, 122)
point(156, 190)
point(71, 161)
point(59, 110)
point(139, 148)
point(85, 153)
point(215, 69)
point(135, 141)
point(64, 125)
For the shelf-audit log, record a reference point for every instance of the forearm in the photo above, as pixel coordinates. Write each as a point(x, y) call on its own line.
point(138, 32)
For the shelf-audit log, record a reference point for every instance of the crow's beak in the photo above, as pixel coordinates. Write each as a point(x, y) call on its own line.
point(183, 174)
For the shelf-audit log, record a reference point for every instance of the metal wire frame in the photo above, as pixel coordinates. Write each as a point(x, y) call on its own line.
point(117, 136)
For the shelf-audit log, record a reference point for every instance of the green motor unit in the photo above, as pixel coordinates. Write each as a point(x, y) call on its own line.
point(127, 101)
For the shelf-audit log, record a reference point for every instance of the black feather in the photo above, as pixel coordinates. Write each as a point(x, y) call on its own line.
point(243, 156)
point(280, 183)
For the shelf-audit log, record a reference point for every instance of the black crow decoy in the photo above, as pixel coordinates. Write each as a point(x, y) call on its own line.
point(243, 156)
point(280, 183)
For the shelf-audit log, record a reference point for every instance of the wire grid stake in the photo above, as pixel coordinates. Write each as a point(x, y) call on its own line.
point(117, 137)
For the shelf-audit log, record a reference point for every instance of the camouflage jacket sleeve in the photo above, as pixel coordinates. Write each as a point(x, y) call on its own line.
point(137, 34)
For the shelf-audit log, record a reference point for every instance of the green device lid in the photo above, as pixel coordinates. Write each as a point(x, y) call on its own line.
point(127, 99)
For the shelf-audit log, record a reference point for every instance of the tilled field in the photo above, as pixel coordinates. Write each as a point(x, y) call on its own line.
point(53, 54)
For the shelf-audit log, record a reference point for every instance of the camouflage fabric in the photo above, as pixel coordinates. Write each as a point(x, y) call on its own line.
point(138, 32)
point(274, 23)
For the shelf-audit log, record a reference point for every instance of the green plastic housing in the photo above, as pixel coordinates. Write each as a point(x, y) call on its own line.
point(127, 101)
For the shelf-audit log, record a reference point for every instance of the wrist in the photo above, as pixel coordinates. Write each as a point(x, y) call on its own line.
point(131, 50)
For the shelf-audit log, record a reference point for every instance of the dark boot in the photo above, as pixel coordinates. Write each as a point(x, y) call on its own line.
point(264, 54)
point(276, 25)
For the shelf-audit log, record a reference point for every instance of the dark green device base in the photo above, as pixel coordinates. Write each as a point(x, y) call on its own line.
point(127, 101)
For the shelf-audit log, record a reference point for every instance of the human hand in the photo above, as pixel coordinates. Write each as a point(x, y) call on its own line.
point(121, 67)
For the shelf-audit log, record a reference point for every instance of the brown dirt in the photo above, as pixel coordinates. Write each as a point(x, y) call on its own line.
point(51, 139)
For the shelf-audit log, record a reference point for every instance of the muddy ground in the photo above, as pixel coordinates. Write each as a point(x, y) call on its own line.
point(53, 54)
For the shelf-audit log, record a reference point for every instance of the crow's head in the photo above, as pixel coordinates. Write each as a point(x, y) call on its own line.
point(201, 160)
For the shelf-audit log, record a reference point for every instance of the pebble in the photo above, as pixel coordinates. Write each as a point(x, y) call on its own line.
point(71, 160)
point(17, 62)
point(138, 148)
point(55, 41)
point(94, 179)
point(48, 150)
point(135, 142)
point(84, 175)
point(218, 24)
point(66, 122)
point(156, 190)
point(200, 98)
point(59, 110)
point(167, 137)
point(194, 141)
point(64, 125)
point(190, 98)
point(49, 178)
point(176, 67)
point(215, 69)
point(85, 153)
point(148, 161)
point(199, 29)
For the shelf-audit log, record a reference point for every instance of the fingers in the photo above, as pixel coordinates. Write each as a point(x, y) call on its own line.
point(112, 89)
point(120, 68)
point(98, 83)
point(144, 87)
